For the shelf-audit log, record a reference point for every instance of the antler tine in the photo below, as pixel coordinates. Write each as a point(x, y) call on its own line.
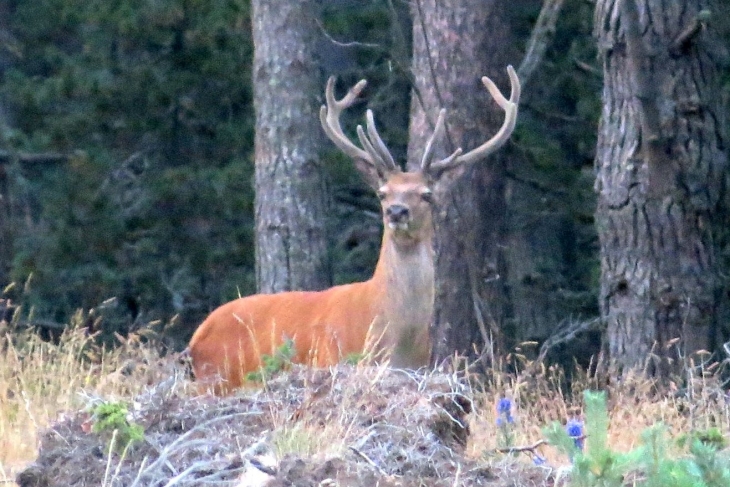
point(362, 136)
point(378, 144)
point(428, 151)
point(329, 115)
point(510, 119)
point(375, 152)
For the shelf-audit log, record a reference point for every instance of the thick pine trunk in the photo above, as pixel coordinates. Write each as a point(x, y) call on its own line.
point(661, 180)
point(466, 40)
point(291, 191)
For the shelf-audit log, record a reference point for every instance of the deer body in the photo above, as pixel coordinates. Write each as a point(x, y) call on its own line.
point(392, 311)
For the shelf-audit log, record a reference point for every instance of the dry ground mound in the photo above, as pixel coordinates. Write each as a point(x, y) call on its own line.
point(347, 426)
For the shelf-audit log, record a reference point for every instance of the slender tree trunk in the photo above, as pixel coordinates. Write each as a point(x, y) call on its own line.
point(455, 43)
point(661, 179)
point(291, 192)
point(6, 234)
point(6, 224)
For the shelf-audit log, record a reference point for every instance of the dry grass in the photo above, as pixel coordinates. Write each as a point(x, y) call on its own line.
point(404, 424)
point(41, 380)
point(696, 401)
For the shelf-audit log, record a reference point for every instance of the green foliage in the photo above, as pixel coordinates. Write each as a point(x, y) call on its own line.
point(155, 98)
point(654, 462)
point(711, 436)
point(598, 465)
point(110, 417)
point(156, 208)
point(555, 435)
point(354, 358)
point(714, 469)
point(273, 364)
point(651, 464)
point(704, 467)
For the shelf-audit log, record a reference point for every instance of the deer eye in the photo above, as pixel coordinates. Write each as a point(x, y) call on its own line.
point(381, 194)
point(427, 195)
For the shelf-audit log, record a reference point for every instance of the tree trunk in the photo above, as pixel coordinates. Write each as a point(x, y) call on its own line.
point(462, 41)
point(291, 191)
point(6, 227)
point(661, 180)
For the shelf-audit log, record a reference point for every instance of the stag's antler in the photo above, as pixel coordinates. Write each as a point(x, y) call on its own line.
point(510, 118)
point(375, 152)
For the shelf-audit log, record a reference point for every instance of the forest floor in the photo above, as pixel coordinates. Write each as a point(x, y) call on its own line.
point(69, 409)
point(344, 426)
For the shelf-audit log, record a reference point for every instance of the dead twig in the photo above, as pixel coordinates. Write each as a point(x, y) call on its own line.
point(367, 45)
point(522, 449)
point(369, 460)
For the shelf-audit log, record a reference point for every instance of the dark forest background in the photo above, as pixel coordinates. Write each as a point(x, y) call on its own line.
point(127, 159)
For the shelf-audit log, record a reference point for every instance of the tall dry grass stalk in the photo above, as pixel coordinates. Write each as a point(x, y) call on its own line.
point(39, 380)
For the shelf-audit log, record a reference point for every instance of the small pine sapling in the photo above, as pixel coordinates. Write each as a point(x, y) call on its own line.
point(596, 465)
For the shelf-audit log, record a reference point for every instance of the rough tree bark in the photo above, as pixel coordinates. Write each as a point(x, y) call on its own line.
point(455, 43)
point(291, 193)
point(661, 180)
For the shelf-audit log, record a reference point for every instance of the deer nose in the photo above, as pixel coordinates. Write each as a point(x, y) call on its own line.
point(397, 213)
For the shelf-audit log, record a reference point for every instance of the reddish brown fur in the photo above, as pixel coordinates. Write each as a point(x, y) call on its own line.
point(394, 308)
point(324, 326)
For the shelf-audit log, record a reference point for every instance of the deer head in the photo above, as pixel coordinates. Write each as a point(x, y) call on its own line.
point(407, 197)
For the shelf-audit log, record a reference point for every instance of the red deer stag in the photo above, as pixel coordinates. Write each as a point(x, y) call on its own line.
point(394, 307)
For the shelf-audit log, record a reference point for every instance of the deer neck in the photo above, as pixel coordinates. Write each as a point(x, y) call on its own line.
point(404, 278)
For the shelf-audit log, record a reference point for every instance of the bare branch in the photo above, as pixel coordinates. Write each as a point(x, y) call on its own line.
point(526, 448)
point(540, 38)
point(566, 333)
point(34, 157)
point(369, 460)
point(367, 45)
point(588, 68)
point(688, 36)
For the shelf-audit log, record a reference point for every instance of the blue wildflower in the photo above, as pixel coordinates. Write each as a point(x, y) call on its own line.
point(504, 406)
point(574, 428)
point(504, 412)
point(505, 423)
point(501, 421)
point(539, 460)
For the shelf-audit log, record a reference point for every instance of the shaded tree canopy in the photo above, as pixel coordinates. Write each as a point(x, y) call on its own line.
point(152, 99)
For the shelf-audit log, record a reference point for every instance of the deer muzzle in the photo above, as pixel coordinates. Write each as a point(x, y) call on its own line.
point(398, 216)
